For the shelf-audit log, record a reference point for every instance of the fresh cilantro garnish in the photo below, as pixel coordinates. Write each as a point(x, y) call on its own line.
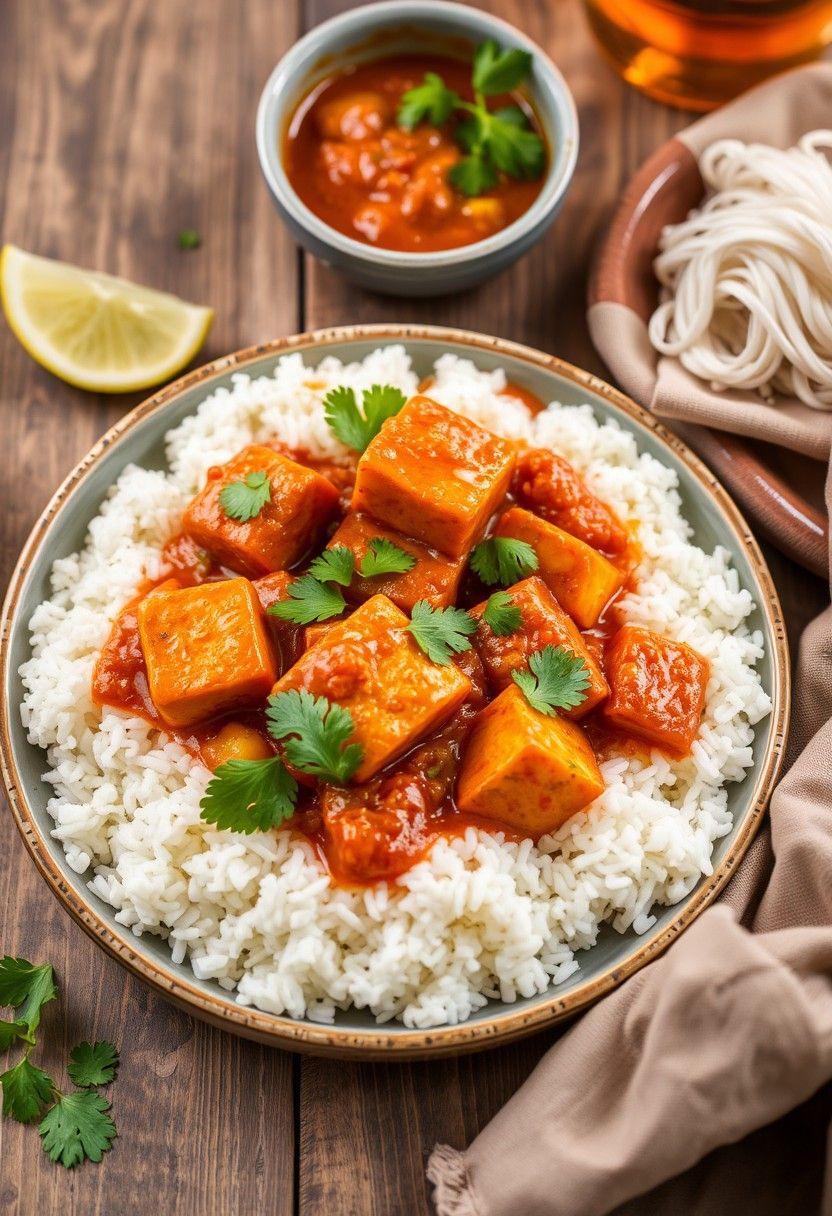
point(501, 614)
point(26, 1090)
point(27, 989)
point(249, 795)
point(499, 141)
point(334, 566)
point(244, 500)
point(441, 632)
point(189, 238)
point(314, 734)
point(557, 679)
point(92, 1064)
point(77, 1128)
point(354, 427)
point(309, 601)
point(384, 557)
point(501, 559)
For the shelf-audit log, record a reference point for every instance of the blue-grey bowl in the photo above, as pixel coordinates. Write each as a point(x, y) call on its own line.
point(412, 27)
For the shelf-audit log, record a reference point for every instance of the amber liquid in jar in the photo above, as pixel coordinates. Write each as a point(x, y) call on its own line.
point(700, 53)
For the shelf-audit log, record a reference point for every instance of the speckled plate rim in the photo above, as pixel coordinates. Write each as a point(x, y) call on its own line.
point(506, 1024)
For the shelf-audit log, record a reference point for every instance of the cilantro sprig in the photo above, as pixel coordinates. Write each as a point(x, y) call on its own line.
point(75, 1126)
point(244, 500)
point(385, 557)
point(556, 678)
point(249, 796)
point(315, 734)
point(358, 427)
point(501, 614)
point(309, 600)
point(502, 559)
point(498, 141)
point(441, 632)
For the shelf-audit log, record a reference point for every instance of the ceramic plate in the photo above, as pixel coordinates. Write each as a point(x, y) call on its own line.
point(139, 438)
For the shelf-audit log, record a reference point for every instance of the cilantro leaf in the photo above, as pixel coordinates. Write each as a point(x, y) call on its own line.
point(385, 557)
point(189, 238)
point(26, 1090)
point(314, 733)
point(309, 601)
point(430, 100)
point(28, 988)
point(10, 1032)
point(77, 1128)
point(501, 614)
point(557, 678)
point(334, 566)
point(92, 1064)
point(357, 428)
point(502, 559)
point(497, 69)
point(244, 500)
point(472, 175)
point(249, 796)
point(441, 632)
point(512, 146)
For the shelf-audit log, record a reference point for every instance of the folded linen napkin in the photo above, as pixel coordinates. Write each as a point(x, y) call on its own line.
point(726, 1032)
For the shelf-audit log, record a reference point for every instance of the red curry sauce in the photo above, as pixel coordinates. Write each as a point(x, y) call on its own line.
point(377, 182)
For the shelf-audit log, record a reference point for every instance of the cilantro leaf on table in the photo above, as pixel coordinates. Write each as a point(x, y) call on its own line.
point(189, 238)
point(244, 500)
point(385, 557)
point(27, 988)
point(314, 733)
point(26, 1090)
point(431, 100)
point(92, 1064)
point(501, 614)
point(502, 559)
point(497, 69)
point(77, 1128)
point(441, 632)
point(556, 678)
point(334, 566)
point(10, 1032)
point(358, 427)
point(309, 600)
point(249, 796)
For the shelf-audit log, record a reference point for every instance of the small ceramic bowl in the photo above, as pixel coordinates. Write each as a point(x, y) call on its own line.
point(413, 27)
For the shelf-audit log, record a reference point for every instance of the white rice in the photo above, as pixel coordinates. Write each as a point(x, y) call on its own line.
point(481, 917)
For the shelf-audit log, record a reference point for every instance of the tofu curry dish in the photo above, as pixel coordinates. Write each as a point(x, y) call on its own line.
point(381, 649)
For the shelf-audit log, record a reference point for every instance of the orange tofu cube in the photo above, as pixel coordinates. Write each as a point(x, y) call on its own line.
point(433, 475)
point(291, 523)
point(524, 769)
point(657, 688)
point(433, 577)
point(206, 650)
point(544, 623)
point(581, 579)
point(373, 667)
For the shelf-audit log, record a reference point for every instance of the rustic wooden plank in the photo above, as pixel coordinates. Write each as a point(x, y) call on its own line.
point(366, 1131)
point(122, 123)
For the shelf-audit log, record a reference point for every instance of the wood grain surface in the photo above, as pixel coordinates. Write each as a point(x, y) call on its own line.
point(121, 123)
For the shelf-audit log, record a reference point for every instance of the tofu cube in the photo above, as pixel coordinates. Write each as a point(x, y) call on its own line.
point(373, 667)
point(524, 769)
point(434, 475)
point(291, 523)
point(433, 577)
point(581, 579)
point(658, 688)
point(544, 623)
point(206, 650)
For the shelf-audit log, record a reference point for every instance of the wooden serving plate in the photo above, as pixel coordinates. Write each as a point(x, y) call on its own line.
point(763, 478)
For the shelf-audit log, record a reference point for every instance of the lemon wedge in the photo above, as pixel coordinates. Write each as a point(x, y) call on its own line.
point(94, 330)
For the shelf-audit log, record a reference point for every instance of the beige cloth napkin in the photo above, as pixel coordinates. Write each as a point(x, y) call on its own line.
point(726, 1032)
point(778, 113)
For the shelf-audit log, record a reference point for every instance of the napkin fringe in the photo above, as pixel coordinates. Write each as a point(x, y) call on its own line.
point(452, 1194)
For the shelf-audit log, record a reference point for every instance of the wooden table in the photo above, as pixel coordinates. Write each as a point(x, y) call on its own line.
point(121, 123)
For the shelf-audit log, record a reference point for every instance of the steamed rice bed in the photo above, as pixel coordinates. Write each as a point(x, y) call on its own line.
point(481, 917)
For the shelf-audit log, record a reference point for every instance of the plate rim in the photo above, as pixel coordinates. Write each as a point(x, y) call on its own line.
point(505, 1025)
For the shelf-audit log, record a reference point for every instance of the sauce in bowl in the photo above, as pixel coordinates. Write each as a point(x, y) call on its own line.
point(360, 172)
